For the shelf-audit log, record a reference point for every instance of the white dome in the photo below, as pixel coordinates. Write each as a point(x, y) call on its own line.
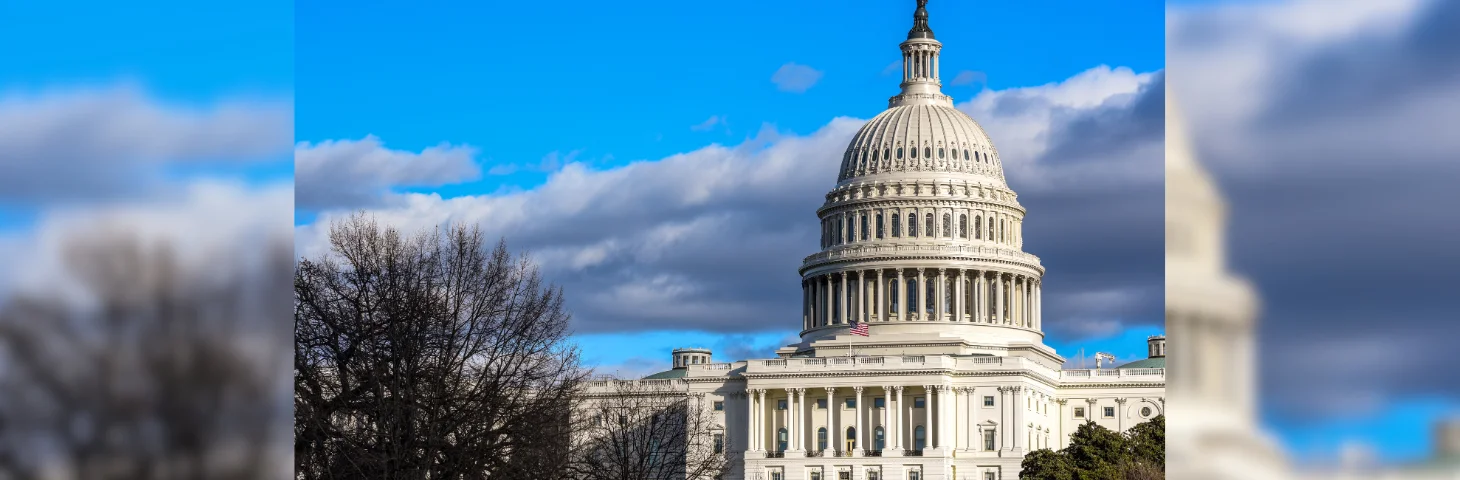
point(947, 141)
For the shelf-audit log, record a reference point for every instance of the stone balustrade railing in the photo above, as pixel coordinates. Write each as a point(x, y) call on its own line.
point(1112, 372)
point(875, 249)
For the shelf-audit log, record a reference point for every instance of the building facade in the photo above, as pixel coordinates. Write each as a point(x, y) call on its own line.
point(922, 243)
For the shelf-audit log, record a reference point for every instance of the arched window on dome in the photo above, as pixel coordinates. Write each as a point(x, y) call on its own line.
point(978, 227)
point(912, 295)
point(1001, 230)
point(912, 224)
point(927, 152)
point(932, 296)
point(886, 153)
point(965, 154)
point(865, 234)
point(940, 152)
point(880, 230)
point(896, 225)
point(912, 152)
point(963, 226)
point(928, 225)
point(851, 228)
point(947, 225)
point(899, 153)
point(991, 228)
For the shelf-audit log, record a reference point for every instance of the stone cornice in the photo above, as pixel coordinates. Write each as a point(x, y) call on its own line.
point(939, 252)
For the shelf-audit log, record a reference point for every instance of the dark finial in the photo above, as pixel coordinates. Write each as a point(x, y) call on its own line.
point(920, 22)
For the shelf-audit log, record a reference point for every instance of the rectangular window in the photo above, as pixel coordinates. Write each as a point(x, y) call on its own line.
point(1079, 412)
point(988, 440)
point(851, 403)
point(879, 402)
point(988, 401)
point(914, 475)
point(821, 404)
point(989, 476)
point(776, 476)
point(719, 406)
point(780, 404)
point(918, 402)
point(1109, 412)
point(815, 475)
point(719, 443)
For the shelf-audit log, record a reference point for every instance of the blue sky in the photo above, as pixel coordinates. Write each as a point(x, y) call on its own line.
point(533, 85)
point(622, 81)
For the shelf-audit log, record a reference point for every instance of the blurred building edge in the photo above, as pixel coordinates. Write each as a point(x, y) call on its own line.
point(1212, 432)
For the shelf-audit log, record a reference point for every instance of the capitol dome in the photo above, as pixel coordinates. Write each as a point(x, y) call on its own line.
point(917, 138)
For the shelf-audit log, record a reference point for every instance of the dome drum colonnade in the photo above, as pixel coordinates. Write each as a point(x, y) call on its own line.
point(921, 226)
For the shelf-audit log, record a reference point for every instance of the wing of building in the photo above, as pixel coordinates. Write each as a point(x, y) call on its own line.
point(922, 240)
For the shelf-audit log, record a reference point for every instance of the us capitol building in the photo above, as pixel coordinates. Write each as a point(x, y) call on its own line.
point(921, 240)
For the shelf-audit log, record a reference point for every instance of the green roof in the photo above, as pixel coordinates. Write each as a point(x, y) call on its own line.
point(672, 373)
point(1153, 362)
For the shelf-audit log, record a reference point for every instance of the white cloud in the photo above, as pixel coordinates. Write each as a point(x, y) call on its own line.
point(708, 123)
point(710, 239)
point(352, 173)
point(107, 142)
point(968, 77)
point(795, 78)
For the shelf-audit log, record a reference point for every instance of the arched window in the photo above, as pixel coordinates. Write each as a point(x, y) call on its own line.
point(932, 298)
point(928, 225)
point(913, 152)
point(940, 152)
point(781, 439)
point(886, 153)
point(965, 154)
point(865, 231)
point(851, 228)
point(918, 438)
point(978, 227)
point(852, 438)
point(991, 229)
point(912, 224)
point(1001, 230)
point(896, 226)
point(880, 231)
point(899, 153)
point(948, 293)
point(912, 295)
point(947, 225)
point(881, 441)
point(821, 439)
point(963, 226)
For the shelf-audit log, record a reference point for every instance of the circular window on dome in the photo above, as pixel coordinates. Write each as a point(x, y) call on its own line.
point(899, 153)
point(940, 152)
point(927, 152)
point(1145, 411)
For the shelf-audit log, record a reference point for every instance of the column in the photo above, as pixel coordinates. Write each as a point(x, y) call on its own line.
point(1060, 425)
point(826, 293)
point(948, 424)
point(861, 295)
point(929, 390)
point(1120, 415)
point(897, 420)
point(861, 433)
point(1039, 304)
point(792, 429)
point(901, 297)
point(1019, 429)
point(841, 300)
point(999, 314)
point(881, 292)
point(974, 439)
point(922, 296)
point(805, 307)
point(961, 301)
point(760, 414)
point(830, 420)
point(942, 293)
point(980, 311)
point(1006, 418)
point(886, 418)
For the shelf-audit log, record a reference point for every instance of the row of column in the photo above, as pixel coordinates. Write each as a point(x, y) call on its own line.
point(867, 225)
point(940, 434)
point(920, 65)
point(876, 295)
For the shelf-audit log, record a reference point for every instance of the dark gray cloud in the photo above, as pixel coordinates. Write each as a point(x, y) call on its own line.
point(1340, 181)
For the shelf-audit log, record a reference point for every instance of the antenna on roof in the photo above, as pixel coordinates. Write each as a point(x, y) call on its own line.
point(1104, 356)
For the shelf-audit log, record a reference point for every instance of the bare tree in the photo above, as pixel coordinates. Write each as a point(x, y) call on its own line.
point(139, 366)
point(428, 356)
point(646, 430)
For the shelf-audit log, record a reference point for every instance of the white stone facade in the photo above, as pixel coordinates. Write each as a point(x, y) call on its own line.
point(922, 241)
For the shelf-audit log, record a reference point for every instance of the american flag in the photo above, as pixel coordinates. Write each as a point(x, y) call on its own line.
point(860, 329)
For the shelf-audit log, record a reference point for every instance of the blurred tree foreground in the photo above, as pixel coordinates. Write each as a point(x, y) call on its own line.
point(428, 356)
point(1097, 453)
